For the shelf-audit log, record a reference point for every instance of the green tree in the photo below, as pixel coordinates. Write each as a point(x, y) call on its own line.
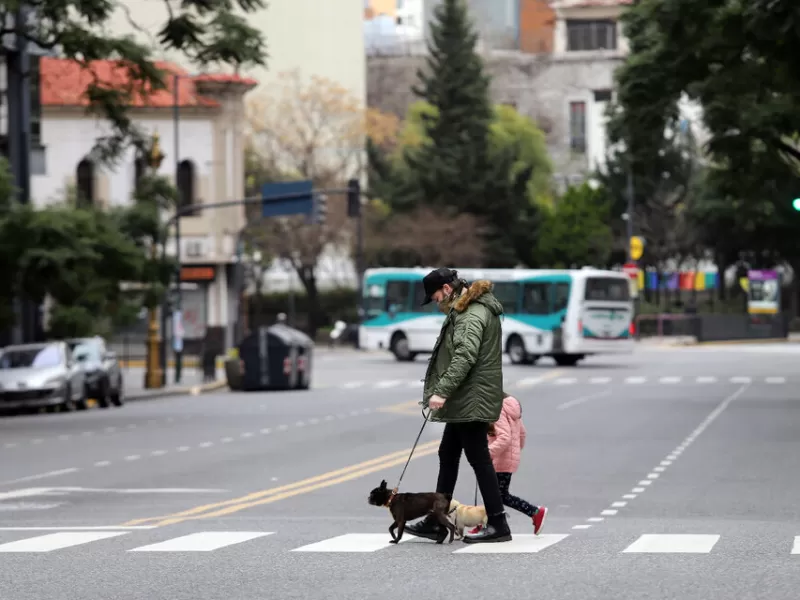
point(716, 54)
point(575, 232)
point(209, 34)
point(452, 166)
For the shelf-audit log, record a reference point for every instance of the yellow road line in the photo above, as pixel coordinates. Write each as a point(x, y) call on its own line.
point(311, 488)
point(404, 408)
point(356, 470)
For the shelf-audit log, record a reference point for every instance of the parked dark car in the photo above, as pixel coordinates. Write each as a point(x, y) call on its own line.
point(103, 373)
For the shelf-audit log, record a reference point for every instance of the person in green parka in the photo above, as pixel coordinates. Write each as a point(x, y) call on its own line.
point(464, 390)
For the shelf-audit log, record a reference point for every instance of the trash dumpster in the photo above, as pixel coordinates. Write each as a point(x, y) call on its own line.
point(276, 358)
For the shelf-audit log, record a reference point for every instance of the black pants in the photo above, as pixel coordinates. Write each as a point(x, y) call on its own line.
point(511, 501)
point(472, 439)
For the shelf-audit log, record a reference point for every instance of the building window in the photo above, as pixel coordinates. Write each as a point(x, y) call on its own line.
point(185, 181)
point(36, 102)
point(85, 179)
point(577, 126)
point(591, 35)
point(139, 171)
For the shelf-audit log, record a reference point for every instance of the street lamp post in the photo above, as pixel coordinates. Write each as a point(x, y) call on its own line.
point(153, 374)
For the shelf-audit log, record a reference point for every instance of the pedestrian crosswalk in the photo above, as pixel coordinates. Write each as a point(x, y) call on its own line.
point(530, 382)
point(260, 542)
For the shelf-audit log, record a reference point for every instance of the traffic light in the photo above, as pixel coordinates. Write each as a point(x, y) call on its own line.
point(796, 204)
point(353, 198)
point(320, 215)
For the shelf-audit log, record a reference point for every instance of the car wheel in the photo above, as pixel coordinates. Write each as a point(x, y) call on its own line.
point(68, 405)
point(118, 395)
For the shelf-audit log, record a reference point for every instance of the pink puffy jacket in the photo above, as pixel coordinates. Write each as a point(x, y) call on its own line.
point(506, 445)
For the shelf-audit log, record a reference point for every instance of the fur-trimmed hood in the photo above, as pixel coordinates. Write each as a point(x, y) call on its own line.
point(479, 291)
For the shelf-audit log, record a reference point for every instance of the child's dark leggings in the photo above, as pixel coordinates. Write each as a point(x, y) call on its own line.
point(504, 479)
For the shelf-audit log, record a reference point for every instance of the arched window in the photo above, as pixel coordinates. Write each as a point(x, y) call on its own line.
point(85, 180)
point(185, 183)
point(139, 170)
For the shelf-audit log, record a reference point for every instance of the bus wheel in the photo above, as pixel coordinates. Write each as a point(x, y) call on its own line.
point(399, 347)
point(567, 360)
point(517, 353)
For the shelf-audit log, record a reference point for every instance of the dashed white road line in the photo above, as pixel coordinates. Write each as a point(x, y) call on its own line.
point(635, 380)
point(581, 400)
point(667, 462)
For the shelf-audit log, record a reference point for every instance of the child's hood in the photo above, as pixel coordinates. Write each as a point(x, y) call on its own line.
point(512, 408)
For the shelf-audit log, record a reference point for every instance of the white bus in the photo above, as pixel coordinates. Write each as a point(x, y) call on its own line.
point(564, 314)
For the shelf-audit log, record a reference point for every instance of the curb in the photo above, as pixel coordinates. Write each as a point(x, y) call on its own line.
point(193, 390)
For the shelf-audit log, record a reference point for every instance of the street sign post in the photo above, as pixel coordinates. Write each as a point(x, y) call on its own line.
point(632, 271)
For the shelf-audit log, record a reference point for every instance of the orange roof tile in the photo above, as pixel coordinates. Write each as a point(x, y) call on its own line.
point(64, 82)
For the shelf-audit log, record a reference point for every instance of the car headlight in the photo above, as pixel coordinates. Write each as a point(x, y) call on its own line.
point(55, 382)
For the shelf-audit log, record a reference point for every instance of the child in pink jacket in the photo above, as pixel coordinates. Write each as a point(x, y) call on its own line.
point(506, 441)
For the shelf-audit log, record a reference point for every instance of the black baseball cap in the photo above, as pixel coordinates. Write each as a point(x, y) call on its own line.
point(435, 280)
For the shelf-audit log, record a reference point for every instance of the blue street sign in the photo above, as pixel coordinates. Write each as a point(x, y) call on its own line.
point(275, 203)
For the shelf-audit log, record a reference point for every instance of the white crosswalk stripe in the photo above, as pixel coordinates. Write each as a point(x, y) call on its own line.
point(519, 544)
point(58, 541)
point(673, 544)
point(353, 542)
point(361, 543)
point(204, 541)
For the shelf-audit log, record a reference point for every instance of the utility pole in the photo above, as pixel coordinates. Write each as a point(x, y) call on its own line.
point(178, 310)
point(19, 150)
point(630, 212)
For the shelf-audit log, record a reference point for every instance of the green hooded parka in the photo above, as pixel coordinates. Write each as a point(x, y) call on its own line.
point(466, 366)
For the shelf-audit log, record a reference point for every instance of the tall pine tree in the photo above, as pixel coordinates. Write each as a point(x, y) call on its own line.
point(453, 167)
point(456, 168)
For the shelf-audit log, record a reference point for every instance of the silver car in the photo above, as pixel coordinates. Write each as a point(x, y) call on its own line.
point(37, 375)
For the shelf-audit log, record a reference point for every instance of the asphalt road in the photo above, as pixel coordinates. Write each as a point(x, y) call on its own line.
point(669, 474)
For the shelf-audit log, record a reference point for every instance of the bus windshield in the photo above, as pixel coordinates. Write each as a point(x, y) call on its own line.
point(607, 289)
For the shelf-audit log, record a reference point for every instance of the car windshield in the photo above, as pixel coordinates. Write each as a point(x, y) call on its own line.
point(86, 350)
point(27, 358)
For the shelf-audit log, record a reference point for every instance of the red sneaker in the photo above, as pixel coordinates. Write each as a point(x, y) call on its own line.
point(475, 530)
point(538, 519)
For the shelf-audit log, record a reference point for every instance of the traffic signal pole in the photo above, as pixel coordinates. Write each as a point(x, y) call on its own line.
point(186, 210)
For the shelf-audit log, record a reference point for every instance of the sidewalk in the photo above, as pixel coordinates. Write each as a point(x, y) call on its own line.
point(687, 340)
point(191, 383)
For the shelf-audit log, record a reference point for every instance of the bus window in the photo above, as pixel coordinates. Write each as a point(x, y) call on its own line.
point(560, 296)
point(507, 293)
point(419, 296)
point(397, 295)
point(608, 289)
point(535, 300)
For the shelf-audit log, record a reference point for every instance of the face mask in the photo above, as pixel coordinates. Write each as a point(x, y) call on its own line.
point(447, 302)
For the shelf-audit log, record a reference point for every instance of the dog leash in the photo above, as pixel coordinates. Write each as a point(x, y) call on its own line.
point(414, 447)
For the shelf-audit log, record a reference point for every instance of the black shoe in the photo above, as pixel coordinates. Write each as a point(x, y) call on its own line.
point(428, 528)
point(496, 530)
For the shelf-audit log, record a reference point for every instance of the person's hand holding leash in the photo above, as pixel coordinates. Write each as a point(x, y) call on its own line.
point(436, 402)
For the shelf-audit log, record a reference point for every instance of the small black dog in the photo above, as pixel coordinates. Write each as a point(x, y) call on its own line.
point(408, 507)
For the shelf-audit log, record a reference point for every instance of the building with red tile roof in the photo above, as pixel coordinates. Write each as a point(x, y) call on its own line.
point(203, 155)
